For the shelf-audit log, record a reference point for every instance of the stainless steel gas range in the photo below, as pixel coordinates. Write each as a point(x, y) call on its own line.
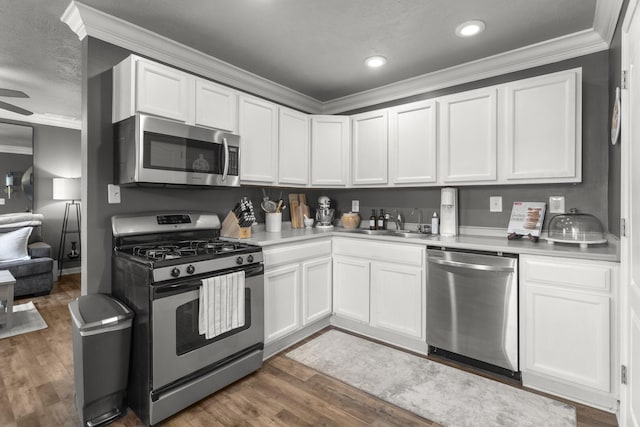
point(160, 264)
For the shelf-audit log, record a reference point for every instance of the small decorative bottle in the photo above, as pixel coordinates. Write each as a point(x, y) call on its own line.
point(373, 220)
point(382, 222)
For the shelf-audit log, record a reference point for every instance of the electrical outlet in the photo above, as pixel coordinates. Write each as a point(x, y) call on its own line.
point(355, 206)
point(1, 201)
point(556, 204)
point(114, 193)
point(495, 204)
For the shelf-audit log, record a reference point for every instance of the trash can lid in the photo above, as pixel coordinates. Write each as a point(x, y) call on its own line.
point(98, 310)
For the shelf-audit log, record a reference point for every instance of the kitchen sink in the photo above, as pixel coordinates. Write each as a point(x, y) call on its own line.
point(392, 233)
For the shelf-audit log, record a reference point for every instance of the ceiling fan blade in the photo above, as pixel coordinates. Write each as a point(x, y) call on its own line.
point(13, 93)
point(15, 109)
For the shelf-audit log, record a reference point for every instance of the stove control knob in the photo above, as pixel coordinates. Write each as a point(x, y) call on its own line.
point(175, 272)
point(239, 260)
point(250, 258)
point(191, 269)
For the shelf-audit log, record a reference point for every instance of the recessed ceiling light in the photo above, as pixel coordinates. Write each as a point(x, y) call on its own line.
point(469, 28)
point(375, 61)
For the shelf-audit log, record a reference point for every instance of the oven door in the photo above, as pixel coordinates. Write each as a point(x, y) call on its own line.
point(178, 350)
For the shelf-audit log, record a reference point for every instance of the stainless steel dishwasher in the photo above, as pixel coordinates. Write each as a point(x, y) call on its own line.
point(472, 307)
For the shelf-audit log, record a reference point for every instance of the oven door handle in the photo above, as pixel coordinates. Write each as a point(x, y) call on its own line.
point(182, 287)
point(225, 170)
point(194, 285)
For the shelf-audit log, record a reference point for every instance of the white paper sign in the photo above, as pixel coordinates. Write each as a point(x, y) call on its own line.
point(527, 218)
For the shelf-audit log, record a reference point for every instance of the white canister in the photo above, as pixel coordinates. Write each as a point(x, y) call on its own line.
point(274, 222)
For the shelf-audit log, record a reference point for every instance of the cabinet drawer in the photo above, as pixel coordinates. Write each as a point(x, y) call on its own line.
point(380, 251)
point(292, 253)
point(574, 273)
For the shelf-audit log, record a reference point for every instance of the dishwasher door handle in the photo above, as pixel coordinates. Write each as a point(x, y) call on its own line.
point(481, 267)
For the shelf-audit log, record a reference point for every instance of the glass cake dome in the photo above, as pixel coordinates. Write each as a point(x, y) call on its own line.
point(575, 227)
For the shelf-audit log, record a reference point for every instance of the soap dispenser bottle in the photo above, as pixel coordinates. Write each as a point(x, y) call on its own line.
point(434, 223)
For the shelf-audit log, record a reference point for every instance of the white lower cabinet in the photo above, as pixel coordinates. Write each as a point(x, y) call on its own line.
point(568, 318)
point(316, 290)
point(297, 286)
point(397, 295)
point(381, 285)
point(282, 298)
point(351, 278)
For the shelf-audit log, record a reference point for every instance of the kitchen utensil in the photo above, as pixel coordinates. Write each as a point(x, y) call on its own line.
point(296, 217)
point(308, 222)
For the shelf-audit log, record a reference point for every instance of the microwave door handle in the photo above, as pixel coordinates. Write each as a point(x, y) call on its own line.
point(226, 159)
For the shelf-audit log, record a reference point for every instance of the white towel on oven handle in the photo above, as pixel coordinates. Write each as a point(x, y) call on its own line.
point(221, 304)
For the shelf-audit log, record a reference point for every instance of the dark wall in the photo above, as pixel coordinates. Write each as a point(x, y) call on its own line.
point(615, 67)
point(99, 57)
point(591, 195)
point(18, 164)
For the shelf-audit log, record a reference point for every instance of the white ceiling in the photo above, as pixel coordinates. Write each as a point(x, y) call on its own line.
point(313, 48)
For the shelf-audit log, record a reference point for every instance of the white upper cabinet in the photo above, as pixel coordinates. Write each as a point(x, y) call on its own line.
point(543, 129)
point(369, 145)
point(413, 143)
point(293, 148)
point(144, 86)
point(329, 151)
point(148, 87)
point(216, 106)
point(258, 129)
point(468, 137)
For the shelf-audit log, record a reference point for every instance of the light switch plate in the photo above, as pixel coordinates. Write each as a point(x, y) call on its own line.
point(495, 204)
point(556, 204)
point(355, 206)
point(114, 193)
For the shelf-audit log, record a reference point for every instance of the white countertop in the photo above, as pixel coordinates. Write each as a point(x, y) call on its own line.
point(605, 252)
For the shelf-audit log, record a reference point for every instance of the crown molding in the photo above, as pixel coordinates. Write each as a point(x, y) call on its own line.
point(606, 18)
point(12, 149)
point(43, 119)
point(547, 52)
point(87, 21)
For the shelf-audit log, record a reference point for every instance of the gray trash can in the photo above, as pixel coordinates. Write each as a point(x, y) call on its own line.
point(101, 343)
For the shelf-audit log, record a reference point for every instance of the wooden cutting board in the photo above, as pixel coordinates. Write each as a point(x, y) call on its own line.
point(299, 208)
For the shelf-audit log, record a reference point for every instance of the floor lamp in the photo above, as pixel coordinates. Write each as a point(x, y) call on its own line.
point(67, 189)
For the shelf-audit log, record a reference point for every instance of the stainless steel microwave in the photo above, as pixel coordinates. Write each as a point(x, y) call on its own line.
point(151, 150)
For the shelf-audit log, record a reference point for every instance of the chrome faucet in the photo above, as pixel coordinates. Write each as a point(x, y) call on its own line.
point(397, 220)
point(419, 226)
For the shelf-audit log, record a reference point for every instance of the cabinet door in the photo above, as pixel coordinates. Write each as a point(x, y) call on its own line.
point(163, 91)
point(567, 335)
point(398, 298)
point(281, 302)
point(293, 148)
point(329, 150)
point(543, 129)
point(316, 290)
point(369, 145)
point(468, 127)
point(351, 288)
point(258, 128)
point(216, 106)
point(412, 143)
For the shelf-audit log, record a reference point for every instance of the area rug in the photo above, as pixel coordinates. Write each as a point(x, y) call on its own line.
point(440, 393)
point(25, 319)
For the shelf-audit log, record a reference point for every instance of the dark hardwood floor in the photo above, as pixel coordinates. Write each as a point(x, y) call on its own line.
point(37, 387)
